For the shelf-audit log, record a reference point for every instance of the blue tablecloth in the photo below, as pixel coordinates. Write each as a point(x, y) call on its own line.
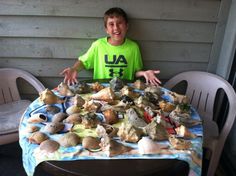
point(32, 155)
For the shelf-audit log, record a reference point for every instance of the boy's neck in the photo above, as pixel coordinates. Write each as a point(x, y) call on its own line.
point(115, 42)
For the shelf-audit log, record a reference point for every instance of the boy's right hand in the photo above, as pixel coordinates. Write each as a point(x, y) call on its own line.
point(70, 75)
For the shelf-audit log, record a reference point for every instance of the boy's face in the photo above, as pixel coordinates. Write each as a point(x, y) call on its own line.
point(116, 28)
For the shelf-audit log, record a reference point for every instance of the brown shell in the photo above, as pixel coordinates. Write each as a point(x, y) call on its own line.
point(59, 117)
point(91, 106)
point(111, 116)
point(106, 129)
point(97, 87)
point(138, 84)
point(48, 97)
point(37, 137)
point(77, 100)
point(69, 139)
point(166, 106)
point(31, 128)
point(90, 120)
point(179, 144)
point(37, 118)
point(73, 109)
point(73, 118)
point(91, 143)
point(64, 89)
point(106, 94)
point(49, 146)
point(54, 127)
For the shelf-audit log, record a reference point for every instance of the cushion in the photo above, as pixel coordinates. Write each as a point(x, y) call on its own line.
point(10, 115)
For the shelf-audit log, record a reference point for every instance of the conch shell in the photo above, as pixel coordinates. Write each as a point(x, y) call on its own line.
point(129, 133)
point(48, 97)
point(182, 131)
point(112, 148)
point(106, 94)
point(134, 118)
point(178, 98)
point(138, 84)
point(148, 146)
point(179, 144)
point(64, 89)
point(97, 87)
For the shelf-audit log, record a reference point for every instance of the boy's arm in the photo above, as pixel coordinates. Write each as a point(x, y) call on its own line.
point(150, 76)
point(70, 73)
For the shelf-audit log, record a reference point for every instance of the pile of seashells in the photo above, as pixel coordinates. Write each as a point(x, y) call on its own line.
point(134, 113)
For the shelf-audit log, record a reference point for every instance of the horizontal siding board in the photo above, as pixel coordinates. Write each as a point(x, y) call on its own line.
point(53, 67)
point(194, 10)
point(92, 28)
point(73, 48)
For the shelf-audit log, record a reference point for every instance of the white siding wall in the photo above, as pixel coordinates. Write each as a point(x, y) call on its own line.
point(45, 36)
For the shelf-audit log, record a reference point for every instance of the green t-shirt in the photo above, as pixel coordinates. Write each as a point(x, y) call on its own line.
point(110, 61)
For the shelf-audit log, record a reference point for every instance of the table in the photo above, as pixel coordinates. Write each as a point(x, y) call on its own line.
point(63, 160)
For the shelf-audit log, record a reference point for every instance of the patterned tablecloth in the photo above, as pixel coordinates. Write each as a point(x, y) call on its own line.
point(32, 155)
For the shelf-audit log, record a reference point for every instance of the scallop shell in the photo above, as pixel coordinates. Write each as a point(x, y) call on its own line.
point(54, 127)
point(64, 89)
point(49, 146)
point(148, 146)
point(106, 94)
point(91, 143)
point(48, 97)
point(37, 118)
point(69, 139)
point(37, 137)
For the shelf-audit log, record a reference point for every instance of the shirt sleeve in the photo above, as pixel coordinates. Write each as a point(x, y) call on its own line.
point(88, 57)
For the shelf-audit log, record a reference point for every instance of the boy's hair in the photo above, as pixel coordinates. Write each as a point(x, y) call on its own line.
point(114, 12)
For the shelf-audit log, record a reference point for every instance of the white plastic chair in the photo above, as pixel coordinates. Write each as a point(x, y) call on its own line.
point(202, 89)
point(11, 105)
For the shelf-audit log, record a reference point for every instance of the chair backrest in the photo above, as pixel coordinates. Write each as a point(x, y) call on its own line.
point(8, 86)
point(202, 88)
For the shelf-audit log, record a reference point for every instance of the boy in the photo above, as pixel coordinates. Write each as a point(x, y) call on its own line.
point(112, 56)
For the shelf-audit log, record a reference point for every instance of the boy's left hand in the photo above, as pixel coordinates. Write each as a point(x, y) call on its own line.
point(150, 76)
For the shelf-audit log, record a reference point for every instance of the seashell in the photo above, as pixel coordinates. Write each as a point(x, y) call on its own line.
point(91, 106)
point(126, 90)
point(64, 89)
point(73, 109)
point(116, 84)
point(37, 137)
point(31, 128)
point(91, 143)
point(59, 117)
point(129, 133)
point(73, 118)
point(112, 148)
point(80, 88)
point(179, 144)
point(182, 131)
point(106, 94)
point(54, 127)
point(154, 89)
point(134, 119)
point(48, 97)
point(156, 131)
point(178, 98)
point(106, 130)
point(166, 106)
point(78, 100)
point(97, 87)
point(90, 120)
point(138, 84)
point(111, 116)
point(148, 146)
point(142, 102)
point(49, 146)
point(69, 139)
point(37, 118)
point(52, 109)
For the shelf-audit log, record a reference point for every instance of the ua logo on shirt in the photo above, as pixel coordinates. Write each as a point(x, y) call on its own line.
point(116, 64)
